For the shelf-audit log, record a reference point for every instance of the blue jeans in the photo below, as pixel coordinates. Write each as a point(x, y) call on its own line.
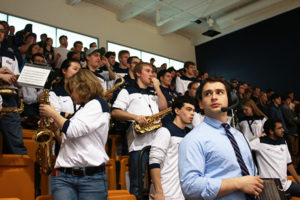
point(68, 187)
point(294, 190)
point(133, 175)
point(10, 126)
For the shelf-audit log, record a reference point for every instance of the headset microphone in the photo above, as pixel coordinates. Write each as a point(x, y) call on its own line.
point(234, 99)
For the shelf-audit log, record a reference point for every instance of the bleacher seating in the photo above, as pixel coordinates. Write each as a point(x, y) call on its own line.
point(124, 169)
point(111, 174)
point(16, 176)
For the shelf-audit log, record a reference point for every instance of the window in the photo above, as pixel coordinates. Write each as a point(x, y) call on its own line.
point(37, 28)
point(3, 17)
point(145, 56)
point(52, 32)
point(73, 37)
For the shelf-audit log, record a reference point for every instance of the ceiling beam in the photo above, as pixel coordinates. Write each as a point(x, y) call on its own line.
point(135, 8)
point(230, 19)
point(184, 19)
point(73, 2)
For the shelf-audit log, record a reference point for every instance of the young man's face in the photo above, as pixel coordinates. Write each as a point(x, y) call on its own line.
point(191, 70)
point(214, 97)
point(123, 58)
point(112, 60)
point(193, 90)
point(146, 75)
point(278, 132)
point(64, 41)
point(186, 113)
point(277, 101)
point(166, 79)
point(78, 47)
point(94, 59)
point(133, 63)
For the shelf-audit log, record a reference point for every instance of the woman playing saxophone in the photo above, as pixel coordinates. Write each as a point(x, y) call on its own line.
point(80, 165)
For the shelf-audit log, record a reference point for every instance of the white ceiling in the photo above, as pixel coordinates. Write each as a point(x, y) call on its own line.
point(179, 16)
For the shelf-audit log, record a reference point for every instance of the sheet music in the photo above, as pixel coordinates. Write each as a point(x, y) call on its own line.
point(34, 75)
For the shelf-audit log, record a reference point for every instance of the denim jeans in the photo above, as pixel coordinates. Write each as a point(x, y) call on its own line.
point(68, 187)
point(10, 126)
point(133, 175)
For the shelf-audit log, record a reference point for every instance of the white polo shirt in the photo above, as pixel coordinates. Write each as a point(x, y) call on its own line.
point(137, 101)
point(252, 127)
point(273, 157)
point(85, 136)
point(164, 155)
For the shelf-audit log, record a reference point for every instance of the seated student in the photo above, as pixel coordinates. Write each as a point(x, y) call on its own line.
point(163, 158)
point(80, 165)
point(273, 156)
point(252, 124)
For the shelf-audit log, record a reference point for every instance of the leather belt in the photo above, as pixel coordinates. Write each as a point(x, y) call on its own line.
point(83, 171)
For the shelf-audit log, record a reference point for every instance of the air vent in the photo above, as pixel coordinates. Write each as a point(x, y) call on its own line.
point(211, 33)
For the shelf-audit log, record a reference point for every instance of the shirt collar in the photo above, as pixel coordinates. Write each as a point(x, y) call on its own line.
point(214, 122)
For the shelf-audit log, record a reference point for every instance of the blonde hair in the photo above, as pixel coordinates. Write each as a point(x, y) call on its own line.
point(256, 111)
point(86, 84)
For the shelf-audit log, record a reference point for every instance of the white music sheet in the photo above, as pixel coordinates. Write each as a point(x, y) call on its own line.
point(33, 75)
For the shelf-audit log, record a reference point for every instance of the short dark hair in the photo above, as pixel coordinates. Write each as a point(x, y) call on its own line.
point(274, 96)
point(71, 54)
point(92, 44)
point(212, 79)
point(187, 64)
point(129, 60)
point(63, 36)
point(109, 54)
point(180, 101)
point(270, 124)
point(77, 42)
point(122, 52)
point(43, 35)
point(285, 97)
point(171, 69)
point(37, 55)
point(190, 85)
point(161, 73)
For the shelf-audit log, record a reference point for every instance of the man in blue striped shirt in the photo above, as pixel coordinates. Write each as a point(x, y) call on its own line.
point(209, 165)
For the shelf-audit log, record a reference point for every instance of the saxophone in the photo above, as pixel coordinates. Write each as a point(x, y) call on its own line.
point(111, 90)
point(44, 138)
point(9, 110)
point(153, 122)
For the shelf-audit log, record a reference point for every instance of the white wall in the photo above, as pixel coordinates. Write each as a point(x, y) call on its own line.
point(93, 20)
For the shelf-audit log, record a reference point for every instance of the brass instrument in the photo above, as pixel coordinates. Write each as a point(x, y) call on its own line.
point(44, 138)
point(111, 90)
point(153, 122)
point(9, 110)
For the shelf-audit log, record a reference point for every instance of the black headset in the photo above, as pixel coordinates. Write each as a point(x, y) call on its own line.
point(233, 100)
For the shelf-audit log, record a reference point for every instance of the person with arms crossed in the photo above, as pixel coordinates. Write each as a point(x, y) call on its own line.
point(215, 160)
point(163, 157)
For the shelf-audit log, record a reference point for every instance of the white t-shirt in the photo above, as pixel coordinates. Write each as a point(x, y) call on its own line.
point(164, 155)
point(63, 55)
point(252, 128)
point(273, 157)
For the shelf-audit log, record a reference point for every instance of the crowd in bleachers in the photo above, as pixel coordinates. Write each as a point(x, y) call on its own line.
point(84, 128)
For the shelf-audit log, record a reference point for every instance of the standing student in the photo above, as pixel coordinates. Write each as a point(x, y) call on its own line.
point(215, 160)
point(80, 165)
point(133, 104)
point(163, 157)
